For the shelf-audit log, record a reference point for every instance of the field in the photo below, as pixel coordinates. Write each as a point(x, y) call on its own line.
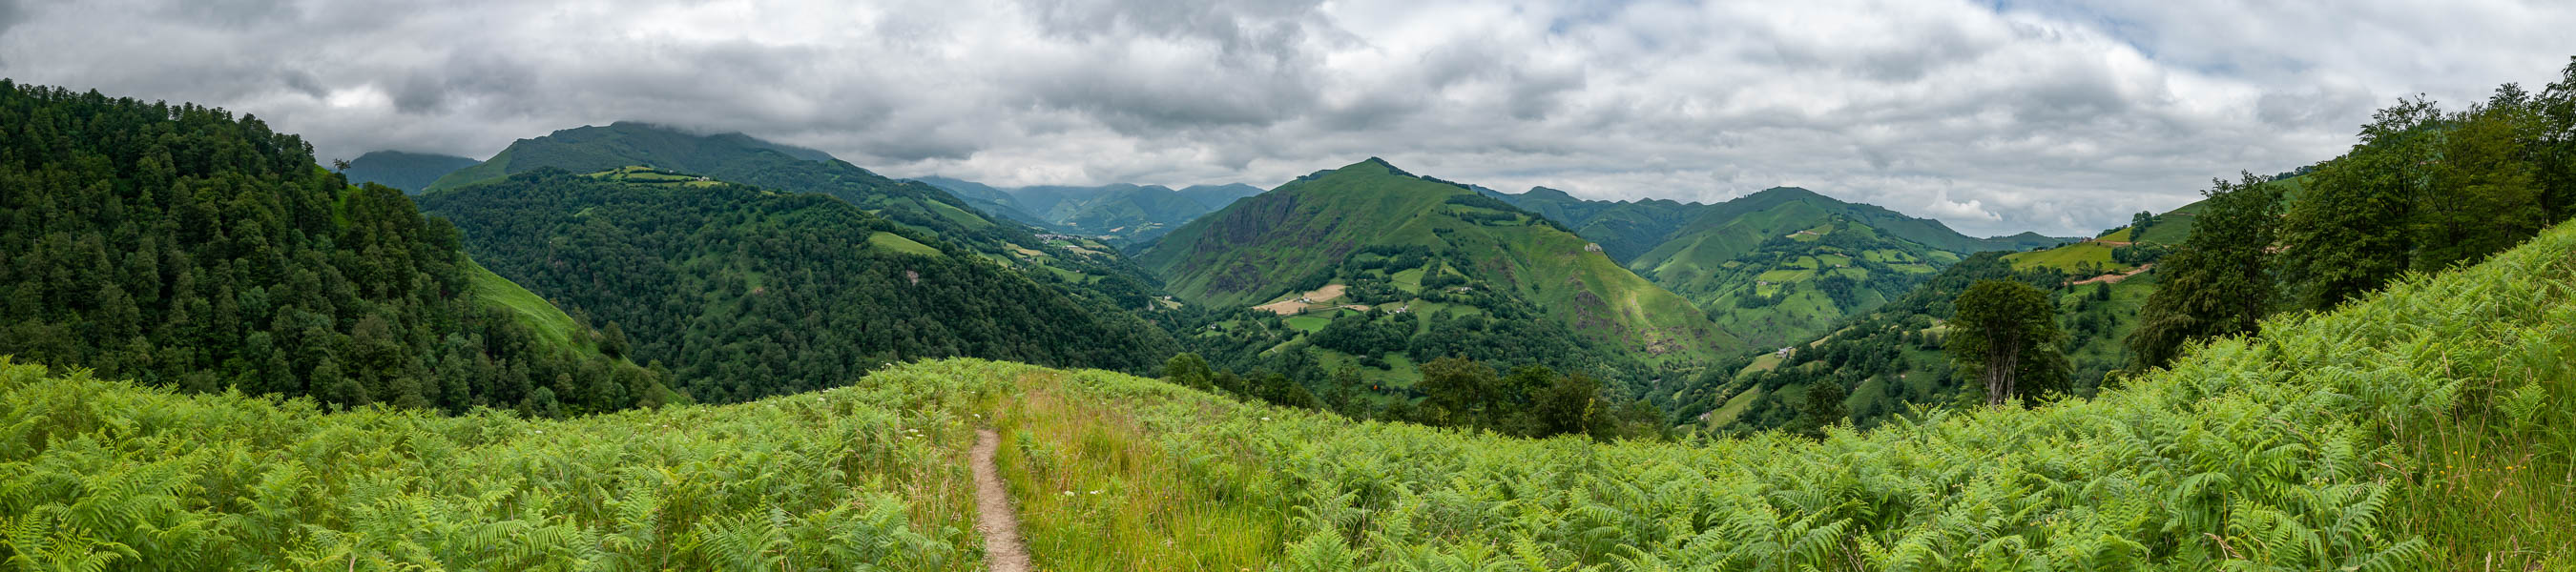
point(2427, 427)
point(2067, 258)
point(897, 243)
point(1319, 297)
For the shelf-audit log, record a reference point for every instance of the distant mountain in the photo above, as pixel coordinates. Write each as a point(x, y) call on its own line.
point(746, 292)
point(1123, 213)
point(1774, 266)
point(1218, 196)
point(988, 199)
point(1376, 265)
point(1895, 349)
point(404, 170)
point(733, 157)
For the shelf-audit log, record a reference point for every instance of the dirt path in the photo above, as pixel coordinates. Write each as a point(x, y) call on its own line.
point(993, 514)
point(2116, 277)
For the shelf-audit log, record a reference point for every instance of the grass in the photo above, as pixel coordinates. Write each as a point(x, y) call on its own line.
point(2067, 258)
point(897, 243)
point(1309, 324)
point(549, 323)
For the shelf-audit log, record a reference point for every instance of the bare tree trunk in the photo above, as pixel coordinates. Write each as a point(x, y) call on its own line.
point(2002, 359)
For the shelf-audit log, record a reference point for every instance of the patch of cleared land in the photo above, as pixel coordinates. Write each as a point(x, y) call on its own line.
point(1320, 297)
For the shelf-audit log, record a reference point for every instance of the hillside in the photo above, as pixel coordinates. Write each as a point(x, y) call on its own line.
point(1891, 357)
point(1379, 264)
point(737, 158)
point(2424, 428)
point(141, 255)
point(1774, 267)
point(410, 172)
point(745, 292)
point(989, 200)
point(1122, 214)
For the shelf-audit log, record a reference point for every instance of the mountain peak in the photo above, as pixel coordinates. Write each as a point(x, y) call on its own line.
point(1547, 193)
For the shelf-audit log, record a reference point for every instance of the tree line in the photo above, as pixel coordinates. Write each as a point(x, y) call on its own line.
point(180, 245)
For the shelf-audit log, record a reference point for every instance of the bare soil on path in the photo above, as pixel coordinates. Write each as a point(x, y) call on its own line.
point(994, 516)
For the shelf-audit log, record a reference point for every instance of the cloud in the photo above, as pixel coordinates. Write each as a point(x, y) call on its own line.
point(2056, 116)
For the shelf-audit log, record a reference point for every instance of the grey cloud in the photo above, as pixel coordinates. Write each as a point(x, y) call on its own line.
point(2055, 116)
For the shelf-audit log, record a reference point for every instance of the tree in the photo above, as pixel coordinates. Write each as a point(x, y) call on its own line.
point(1824, 406)
point(2483, 196)
point(1187, 370)
point(2348, 234)
point(2005, 333)
point(2220, 282)
point(1458, 386)
point(1571, 404)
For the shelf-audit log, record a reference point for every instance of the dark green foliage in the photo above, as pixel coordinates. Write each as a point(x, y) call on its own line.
point(737, 158)
point(2220, 282)
point(1823, 408)
point(2005, 334)
point(747, 293)
point(1188, 370)
point(180, 245)
point(1534, 401)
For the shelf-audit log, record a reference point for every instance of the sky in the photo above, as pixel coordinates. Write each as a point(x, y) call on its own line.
point(1994, 117)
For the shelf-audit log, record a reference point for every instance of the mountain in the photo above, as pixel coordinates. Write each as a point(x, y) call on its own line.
point(127, 251)
point(1218, 196)
point(1121, 213)
point(747, 292)
point(1775, 266)
point(1387, 268)
point(1078, 266)
point(2417, 429)
point(988, 199)
point(411, 172)
point(1894, 351)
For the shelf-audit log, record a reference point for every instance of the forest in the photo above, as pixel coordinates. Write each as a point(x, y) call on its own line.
point(185, 246)
point(746, 293)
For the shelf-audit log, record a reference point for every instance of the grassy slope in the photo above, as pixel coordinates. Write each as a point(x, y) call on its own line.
point(2424, 428)
point(549, 322)
point(1255, 249)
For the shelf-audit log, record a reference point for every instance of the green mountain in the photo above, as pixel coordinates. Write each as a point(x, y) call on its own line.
point(1122, 213)
point(1776, 266)
point(411, 172)
point(2422, 428)
point(1372, 265)
point(1218, 196)
point(1891, 356)
point(127, 251)
point(989, 200)
point(746, 292)
point(1081, 267)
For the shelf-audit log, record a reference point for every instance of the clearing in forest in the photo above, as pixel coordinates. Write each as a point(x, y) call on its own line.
point(1300, 302)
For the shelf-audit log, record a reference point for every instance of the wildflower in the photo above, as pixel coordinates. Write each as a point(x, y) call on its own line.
point(1095, 491)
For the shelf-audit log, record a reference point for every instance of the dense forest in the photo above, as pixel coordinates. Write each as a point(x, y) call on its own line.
point(183, 246)
point(745, 293)
point(734, 157)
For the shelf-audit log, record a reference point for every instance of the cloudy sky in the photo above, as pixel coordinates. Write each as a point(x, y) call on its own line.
point(1995, 117)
